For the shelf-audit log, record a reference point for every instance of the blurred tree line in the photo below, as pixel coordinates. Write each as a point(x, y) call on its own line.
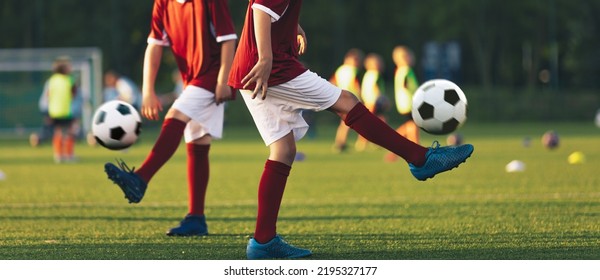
point(511, 44)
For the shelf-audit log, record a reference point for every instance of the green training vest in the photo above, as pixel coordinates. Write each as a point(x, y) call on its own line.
point(60, 96)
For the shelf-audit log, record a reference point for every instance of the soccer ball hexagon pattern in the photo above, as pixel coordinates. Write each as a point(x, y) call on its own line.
point(116, 125)
point(439, 107)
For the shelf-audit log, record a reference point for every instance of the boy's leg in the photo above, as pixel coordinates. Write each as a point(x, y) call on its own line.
point(134, 184)
point(361, 144)
point(198, 169)
point(266, 244)
point(69, 147)
point(409, 130)
point(69, 141)
point(57, 143)
point(375, 130)
point(207, 124)
point(341, 137)
point(270, 193)
point(424, 162)
point(194, 102)
point(194, 223)
point(165, 146)
point(272, 185)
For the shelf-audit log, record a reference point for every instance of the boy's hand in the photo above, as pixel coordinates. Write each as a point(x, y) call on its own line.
point(262, 70)
point(151, 106)
point(302, 42)
point(223, 93)
point(260, 75)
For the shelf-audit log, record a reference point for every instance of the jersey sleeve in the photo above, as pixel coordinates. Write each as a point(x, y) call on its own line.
point(158, 36)
point(221, 20)
point(275, 8)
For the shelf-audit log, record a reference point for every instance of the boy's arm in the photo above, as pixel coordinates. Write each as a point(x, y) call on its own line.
point(151, 105)
point(224, 31)
point(223, 92)
point(262, 70)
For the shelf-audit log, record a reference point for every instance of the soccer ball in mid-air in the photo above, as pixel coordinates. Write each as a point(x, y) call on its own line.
point(439, 107)
point(116, 125)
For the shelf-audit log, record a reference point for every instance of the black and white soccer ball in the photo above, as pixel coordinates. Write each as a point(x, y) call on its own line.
point(439, 107)
point(116, 125)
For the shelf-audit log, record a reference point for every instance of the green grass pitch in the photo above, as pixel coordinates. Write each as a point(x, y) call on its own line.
point(349, 206)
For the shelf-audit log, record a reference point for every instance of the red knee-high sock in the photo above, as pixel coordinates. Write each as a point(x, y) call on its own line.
point(270, 193)
point(198, 171)
point(378, 132)
point(164, 147)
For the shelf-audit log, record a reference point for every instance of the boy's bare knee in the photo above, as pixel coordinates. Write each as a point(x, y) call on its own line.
point(176, 114)
point(344, 104)
point(283, 150)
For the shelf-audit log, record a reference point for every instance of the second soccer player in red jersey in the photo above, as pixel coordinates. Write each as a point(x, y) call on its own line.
point(201, 35)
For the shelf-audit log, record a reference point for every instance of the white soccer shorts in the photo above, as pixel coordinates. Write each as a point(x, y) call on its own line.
point(207, 117)
point(281, 111)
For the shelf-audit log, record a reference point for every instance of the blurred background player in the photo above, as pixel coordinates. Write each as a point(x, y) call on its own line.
point(119, 87)
point(405, 85)
point(46, 131)
point(198, 112)
point(373, 92)
point(347, 77)
point(61, 93)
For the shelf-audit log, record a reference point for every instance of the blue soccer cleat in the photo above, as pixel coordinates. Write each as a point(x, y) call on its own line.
point(440, 159)
point(130, 183)
point(277, 248)
point(191, 225)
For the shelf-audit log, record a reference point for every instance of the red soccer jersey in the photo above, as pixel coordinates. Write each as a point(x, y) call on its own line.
point(284, 29)
point(193, 29)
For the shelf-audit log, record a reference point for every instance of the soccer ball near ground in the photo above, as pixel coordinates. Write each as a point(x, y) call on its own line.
point(550, 140)
point(439, 107)
point(116, 125)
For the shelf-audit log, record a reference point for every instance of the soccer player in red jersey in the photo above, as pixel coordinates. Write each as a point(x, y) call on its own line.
point(201, 35)
point(275, 87)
